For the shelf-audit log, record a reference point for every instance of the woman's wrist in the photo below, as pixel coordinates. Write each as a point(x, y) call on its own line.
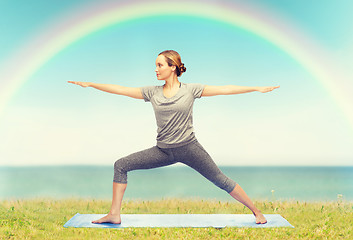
point(257, 89)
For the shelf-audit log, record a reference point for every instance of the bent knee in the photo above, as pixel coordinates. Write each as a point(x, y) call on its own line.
point(120, 174)
point(119, 164)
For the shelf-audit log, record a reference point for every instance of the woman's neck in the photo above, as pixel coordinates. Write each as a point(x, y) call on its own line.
point(171, 83)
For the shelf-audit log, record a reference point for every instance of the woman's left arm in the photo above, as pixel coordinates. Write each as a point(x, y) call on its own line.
point(232, 89)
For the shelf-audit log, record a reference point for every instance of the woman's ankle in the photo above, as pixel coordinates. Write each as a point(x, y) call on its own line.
point(257, 212)
point(114, 213)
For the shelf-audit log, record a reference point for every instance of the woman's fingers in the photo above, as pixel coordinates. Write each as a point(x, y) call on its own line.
point(73, 82)
point(268, 89)
point(82, 84)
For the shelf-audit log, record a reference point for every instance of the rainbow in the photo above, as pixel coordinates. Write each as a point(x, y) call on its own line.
point(98, 17)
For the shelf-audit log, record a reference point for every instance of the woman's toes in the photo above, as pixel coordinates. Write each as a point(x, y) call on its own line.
point(260, 219)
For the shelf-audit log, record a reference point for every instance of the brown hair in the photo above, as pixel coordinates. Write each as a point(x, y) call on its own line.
point(173, 59)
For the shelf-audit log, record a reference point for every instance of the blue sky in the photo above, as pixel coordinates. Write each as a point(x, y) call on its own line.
point(51, 122)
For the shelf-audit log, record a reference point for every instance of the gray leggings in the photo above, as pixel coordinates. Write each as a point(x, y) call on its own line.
point(191, 154)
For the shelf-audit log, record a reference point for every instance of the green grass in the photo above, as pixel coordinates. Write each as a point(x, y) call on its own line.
point(44, 219)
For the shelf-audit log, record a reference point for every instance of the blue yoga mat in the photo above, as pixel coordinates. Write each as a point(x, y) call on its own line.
point(179, 220)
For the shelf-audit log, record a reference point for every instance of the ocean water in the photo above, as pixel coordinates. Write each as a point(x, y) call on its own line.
point(260, 183)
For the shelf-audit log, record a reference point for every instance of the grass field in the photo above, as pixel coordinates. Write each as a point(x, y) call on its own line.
point(44, 219)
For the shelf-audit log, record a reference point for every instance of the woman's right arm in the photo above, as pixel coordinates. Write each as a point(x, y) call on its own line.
point(133, 92)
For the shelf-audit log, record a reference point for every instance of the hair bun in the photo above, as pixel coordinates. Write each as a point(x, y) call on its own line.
point(182, 68)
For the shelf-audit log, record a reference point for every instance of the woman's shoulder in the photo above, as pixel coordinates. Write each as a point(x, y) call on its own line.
point(152, 87)
point(194, 85)
point(149, 91)
point(195, 88)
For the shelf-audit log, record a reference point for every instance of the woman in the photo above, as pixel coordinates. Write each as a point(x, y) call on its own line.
point(176, 141)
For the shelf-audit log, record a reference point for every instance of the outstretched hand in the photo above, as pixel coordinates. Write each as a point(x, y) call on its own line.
point(267, 89)
point(82, 84)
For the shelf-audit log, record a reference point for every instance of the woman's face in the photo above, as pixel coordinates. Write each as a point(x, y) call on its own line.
point(163, 70)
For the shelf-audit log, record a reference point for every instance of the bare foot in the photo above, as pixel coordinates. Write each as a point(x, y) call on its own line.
point(260, 218)
point(115, 219)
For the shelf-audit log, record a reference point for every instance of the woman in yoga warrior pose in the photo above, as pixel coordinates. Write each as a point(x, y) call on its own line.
point(176, 141)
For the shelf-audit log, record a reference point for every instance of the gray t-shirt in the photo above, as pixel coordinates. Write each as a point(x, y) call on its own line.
point(173, 115)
